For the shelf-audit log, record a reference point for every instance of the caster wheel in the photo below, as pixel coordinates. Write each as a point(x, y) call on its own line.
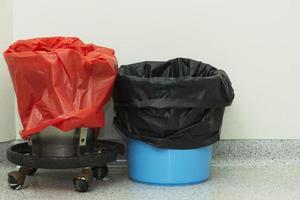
point(100, 172)
point(80, 185)
point(32, 171)
point(82, 181)
point(16, 180)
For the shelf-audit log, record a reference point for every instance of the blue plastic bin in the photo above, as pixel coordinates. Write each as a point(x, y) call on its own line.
point(152, 165)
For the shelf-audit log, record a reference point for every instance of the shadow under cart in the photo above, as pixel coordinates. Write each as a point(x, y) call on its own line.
point(54, 149)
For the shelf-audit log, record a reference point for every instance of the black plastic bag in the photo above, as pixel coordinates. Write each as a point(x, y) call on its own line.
point(177, 104)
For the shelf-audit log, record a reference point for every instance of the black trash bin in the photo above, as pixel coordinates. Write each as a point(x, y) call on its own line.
point(172, 111)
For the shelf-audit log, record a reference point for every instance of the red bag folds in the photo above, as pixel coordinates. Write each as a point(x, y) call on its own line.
point(60, 82)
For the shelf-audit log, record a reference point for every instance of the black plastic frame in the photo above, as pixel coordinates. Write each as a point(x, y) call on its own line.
point(20, 154)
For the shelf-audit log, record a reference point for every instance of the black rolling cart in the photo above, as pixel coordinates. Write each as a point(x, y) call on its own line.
point(75, 149)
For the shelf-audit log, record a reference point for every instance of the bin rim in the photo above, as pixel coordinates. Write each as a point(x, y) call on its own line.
point(218, 73)
point(66, 41)
point(192, 78)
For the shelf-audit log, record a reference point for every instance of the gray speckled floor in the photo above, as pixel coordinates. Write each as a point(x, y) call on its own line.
point(224, 183)
point(242, 170)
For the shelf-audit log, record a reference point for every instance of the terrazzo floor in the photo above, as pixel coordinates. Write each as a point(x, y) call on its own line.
point(225, 183)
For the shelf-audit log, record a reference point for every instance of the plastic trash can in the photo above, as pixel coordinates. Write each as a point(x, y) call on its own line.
point(159, 166)
point(172, 113)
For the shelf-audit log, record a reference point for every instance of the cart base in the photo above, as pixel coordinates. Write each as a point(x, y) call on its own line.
point(94, 164)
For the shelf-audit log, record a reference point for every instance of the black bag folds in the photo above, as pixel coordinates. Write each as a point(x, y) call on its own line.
point(178, 104)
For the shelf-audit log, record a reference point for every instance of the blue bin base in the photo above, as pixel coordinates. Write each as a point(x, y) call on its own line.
point(168, 167)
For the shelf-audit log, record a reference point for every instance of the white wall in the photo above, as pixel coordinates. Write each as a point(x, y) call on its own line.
point(7, 119)
point(257, 42)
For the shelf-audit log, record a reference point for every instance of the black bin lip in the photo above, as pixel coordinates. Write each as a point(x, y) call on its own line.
point(218, 72)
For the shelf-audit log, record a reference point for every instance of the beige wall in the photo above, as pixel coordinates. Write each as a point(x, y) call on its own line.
point(257, 42)
point(7, 118)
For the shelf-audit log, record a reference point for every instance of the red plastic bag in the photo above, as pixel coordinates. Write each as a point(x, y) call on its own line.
point(60, 82)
